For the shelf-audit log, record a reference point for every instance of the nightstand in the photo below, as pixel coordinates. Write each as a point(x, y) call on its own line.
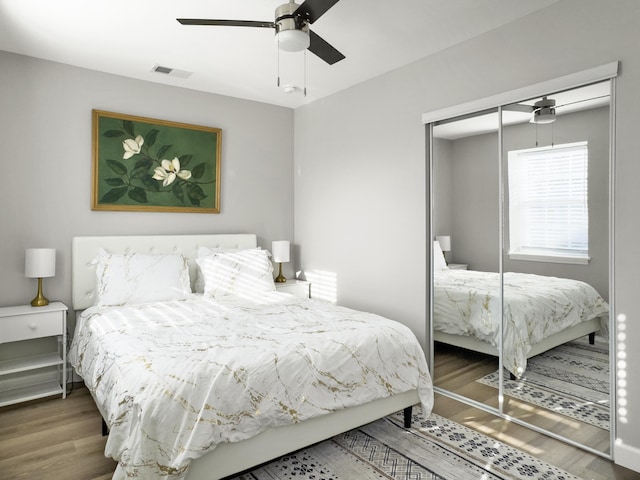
point(299, 288)
point(22, 323)
point(458, 266)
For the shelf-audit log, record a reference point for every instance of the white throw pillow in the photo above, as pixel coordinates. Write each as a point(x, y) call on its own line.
point(242, 273)
point(135, 278)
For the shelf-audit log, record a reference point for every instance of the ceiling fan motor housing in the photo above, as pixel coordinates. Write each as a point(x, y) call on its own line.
point(544, 111)
point(292, 31)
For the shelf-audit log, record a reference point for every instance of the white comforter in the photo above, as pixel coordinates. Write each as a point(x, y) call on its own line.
point(174, 379)
point(467, 302)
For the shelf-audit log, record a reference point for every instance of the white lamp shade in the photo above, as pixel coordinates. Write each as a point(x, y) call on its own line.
point(292, 40)
point(544, 115)
point(280, 251)
point(445, 242)
point(40, 262)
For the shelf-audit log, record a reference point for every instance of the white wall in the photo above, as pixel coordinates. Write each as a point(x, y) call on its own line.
point(360, 188)
point(45, 148)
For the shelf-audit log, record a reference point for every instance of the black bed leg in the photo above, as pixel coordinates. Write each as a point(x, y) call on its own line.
point(592, 338)
point(105, 429)
point(407, 417)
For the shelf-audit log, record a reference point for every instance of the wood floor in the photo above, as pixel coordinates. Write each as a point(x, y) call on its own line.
point(457, 370)
point(54, 438)
point(61, 440)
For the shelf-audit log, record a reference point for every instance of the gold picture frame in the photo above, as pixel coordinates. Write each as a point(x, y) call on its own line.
point(147, 165)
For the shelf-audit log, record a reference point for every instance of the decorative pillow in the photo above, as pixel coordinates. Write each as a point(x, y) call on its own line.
point(439, 263)
point(242, 273)
point(135, 278)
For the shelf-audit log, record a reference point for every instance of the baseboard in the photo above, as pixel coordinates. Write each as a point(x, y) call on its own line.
point(626, 456)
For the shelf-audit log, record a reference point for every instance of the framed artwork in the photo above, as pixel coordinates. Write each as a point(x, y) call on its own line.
point(148, 165)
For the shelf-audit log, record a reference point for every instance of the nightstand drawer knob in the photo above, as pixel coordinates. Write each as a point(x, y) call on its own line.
point(33, 326)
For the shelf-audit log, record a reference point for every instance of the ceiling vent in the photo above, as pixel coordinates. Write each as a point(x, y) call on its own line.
point(174, 72)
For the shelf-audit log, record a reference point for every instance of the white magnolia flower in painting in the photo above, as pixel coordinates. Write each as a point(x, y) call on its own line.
point(169, 170)
point(132, 146)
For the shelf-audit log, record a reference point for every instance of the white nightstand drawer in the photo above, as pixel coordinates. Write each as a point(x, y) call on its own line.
point(299, 288)
point(31, 325)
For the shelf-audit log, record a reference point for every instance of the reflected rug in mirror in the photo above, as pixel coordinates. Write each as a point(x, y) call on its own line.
point(435, 448)
point(571, 379)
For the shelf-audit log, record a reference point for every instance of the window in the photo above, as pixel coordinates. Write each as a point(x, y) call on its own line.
point(548, 210)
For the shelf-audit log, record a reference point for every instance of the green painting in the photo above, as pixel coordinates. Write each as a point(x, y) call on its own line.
point(143, 164)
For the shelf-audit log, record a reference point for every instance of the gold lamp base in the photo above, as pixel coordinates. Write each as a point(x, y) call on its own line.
point(280, 278)
point(40, 300)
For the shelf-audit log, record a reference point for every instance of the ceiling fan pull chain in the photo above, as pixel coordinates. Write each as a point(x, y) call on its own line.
point(278, 48)
point(305, 73)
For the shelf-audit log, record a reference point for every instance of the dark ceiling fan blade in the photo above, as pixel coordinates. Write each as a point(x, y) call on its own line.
point(322, 49)
point(226, 23)
point(312, 10)
point(518, 107)
point(583, 100)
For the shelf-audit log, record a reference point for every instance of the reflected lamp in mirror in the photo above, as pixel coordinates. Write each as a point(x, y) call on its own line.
point(280, 252)
point(445, 244)
point(40, 263)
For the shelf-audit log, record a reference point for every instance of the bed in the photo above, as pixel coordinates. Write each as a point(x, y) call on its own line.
point(181, 379)
point(540, 312)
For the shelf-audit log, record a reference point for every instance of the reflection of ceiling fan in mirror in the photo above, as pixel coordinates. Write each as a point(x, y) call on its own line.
point(544, 110)
point(291, 27)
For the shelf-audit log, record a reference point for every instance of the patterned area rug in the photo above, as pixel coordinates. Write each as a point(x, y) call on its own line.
point(572, 379)
point(434, 448)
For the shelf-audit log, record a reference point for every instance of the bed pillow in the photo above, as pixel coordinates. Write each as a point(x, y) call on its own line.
point(198, 286)
point(439, 263)
point(242, 273)
point(135, 278)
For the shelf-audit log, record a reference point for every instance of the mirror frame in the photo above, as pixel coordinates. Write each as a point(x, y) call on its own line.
point(594, 75)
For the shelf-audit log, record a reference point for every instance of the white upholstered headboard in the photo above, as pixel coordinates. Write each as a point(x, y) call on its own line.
point(85, 249)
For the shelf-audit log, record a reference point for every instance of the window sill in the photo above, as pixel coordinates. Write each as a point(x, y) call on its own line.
point(532, 257)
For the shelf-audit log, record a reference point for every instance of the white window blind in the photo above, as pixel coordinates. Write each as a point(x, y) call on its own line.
point(548, 203)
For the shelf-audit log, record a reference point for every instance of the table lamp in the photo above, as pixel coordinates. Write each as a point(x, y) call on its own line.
point(445, 244)
point(40, 263)
point(280, 252)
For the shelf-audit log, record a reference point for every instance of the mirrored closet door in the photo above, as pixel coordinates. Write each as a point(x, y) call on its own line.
point(521, 222)
point(465, 222)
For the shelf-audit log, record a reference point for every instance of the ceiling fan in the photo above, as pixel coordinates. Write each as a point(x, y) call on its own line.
point(292, 27)
point(544, 111)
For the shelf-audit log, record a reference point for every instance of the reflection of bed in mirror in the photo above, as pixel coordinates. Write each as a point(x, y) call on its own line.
point(540, 312)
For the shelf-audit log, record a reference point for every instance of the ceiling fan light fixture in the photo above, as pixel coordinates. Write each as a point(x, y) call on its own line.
point(543, 116)
point(544, 111)
point(292, 40)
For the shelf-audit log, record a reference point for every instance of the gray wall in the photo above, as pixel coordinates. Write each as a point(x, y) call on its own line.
point(442, 192)
point(45, 139)
point(360, 188)
point(476, 193)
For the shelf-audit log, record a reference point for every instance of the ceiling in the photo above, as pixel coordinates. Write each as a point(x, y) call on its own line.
point(131, 37)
